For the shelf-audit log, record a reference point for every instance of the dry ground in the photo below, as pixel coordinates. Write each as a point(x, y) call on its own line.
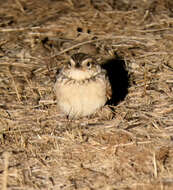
point(39, 149)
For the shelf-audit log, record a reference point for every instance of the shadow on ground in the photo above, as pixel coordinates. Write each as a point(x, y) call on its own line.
point(119, 79)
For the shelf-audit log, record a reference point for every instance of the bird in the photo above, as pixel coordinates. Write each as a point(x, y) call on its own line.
point(82, 86)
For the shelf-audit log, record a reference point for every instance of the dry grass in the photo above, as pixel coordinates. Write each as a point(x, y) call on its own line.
point(39, 149)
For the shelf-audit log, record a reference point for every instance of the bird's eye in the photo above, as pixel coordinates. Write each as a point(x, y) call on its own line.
point(69, 64)
point(89, 64)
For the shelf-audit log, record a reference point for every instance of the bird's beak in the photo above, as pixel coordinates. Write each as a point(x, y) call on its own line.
point(77, 65)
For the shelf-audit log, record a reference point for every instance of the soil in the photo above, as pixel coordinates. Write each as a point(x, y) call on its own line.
point(128, 145)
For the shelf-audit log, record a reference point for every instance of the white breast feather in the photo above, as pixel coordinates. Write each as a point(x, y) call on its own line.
point(79, 74)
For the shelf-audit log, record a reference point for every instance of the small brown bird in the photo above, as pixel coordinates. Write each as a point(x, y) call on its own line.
point(82, 87)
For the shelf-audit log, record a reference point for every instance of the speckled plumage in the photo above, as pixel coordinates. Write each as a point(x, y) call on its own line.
point(81, 87)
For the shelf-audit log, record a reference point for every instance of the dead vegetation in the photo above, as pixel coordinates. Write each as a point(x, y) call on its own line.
point(39, 149)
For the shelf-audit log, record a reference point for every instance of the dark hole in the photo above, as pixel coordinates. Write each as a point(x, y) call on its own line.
point(88, 31)
point(119, 79)
point(79, 29)
point(4, 136)
point(45, 40)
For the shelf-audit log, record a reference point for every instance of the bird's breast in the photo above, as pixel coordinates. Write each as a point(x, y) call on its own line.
point(78, 99)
